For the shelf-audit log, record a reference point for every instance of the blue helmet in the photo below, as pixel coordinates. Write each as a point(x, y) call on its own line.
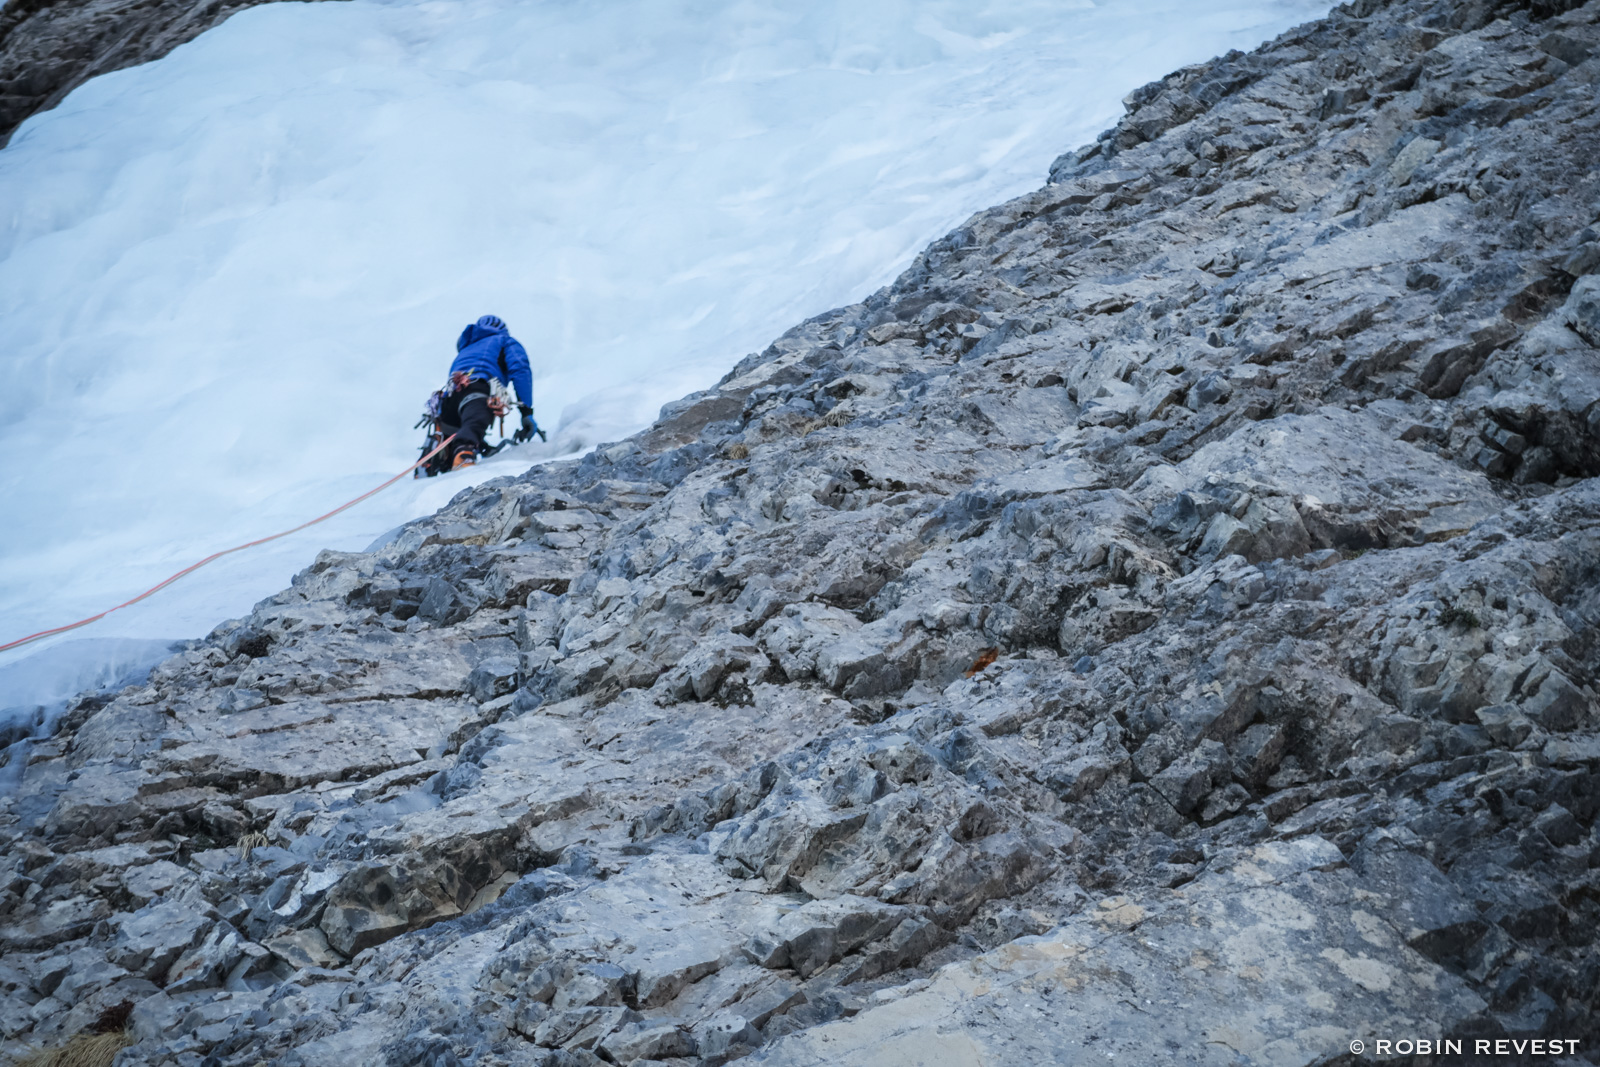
point(492, 322)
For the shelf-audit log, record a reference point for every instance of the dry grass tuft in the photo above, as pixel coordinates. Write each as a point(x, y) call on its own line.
point(837, 417)
point(738, 450)
point(84, 1050)
point(249, 843)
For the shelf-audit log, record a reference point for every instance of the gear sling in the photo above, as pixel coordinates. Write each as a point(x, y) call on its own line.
point(443, 415)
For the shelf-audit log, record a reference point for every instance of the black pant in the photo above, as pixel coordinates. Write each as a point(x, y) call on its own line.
point(465, 413)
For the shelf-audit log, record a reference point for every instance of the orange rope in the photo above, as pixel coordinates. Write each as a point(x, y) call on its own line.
point(218, 555)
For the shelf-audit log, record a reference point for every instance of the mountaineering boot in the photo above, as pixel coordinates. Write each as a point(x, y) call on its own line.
point(466, 457)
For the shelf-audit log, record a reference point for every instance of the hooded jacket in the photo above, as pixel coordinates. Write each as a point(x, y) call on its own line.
point(485, 353)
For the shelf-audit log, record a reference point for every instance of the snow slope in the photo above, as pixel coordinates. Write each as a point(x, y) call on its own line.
point(228, 278)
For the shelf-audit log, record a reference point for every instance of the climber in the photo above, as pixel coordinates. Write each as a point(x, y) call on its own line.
point(485, 353)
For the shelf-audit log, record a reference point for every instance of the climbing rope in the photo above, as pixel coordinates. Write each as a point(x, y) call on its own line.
point(19, 642)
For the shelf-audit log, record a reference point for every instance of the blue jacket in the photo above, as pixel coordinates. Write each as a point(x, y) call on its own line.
point(486, 353)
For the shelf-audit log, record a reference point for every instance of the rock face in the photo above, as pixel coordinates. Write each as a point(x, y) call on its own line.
point(1164, 625)
point(50, 47)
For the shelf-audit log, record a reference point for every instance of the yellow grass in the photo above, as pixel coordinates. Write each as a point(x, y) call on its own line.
point(84, 1050)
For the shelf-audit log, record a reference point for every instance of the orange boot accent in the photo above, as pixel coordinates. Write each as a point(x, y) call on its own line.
point(466, 457)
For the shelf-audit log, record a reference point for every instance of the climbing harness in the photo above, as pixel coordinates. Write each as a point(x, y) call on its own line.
point(431, 417)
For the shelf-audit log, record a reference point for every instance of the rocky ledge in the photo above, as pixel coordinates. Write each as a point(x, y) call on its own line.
point(1163, 625)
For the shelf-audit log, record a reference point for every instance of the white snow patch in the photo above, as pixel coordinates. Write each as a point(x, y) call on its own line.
point(34, 689)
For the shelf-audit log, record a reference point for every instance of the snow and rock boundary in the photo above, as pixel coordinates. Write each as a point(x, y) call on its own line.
point(50, 47)
point(1162, 623)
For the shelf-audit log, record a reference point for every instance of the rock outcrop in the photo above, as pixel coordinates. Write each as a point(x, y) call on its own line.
point(50, 47)
point(1164, 624)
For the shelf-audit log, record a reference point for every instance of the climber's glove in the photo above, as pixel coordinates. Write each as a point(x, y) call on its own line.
point(529, 427)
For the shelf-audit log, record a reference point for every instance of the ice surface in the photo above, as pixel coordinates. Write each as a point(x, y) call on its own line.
point(34, 688)
point(228, 278)
point(72, 666)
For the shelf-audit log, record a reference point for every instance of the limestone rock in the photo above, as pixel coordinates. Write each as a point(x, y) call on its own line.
point(1161, 623)
point(58, 921)
point(303, 948)
point(150, 941)
point(372, 904)
point(1582, 309)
